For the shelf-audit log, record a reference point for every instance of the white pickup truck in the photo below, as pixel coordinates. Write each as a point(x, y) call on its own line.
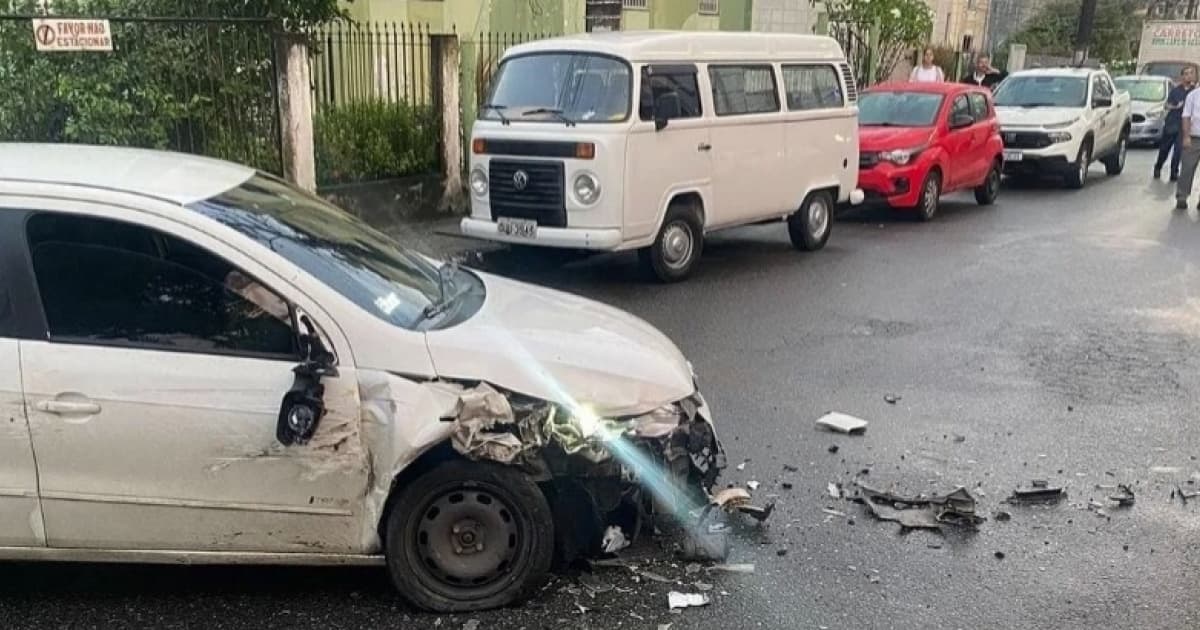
point(1057, 121)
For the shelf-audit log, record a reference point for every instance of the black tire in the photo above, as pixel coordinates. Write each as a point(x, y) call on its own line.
point(677, 247)
point(499, 509)
point(931, 196)
point(986, 193)
point(1115, 163)
point(1078, 175)
point(810, 226)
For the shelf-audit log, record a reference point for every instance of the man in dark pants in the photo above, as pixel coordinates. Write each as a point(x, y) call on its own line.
point(984, 74)
point(1171, 127)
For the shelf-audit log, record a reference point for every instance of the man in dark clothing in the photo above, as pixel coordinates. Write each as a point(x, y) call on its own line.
point(984, 74)
point(1171, 126)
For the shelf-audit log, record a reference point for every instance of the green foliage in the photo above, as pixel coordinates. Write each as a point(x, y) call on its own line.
point(902, 26)
point(375, 140)
point(1052, 30)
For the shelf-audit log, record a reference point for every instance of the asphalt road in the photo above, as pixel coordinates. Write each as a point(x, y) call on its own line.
point(1053, 336)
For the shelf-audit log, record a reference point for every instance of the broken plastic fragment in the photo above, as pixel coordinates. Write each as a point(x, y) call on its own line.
point(676, 599)
point(833, 490)
point(955, 508)
point(1123, 496)
point(614, 540)
point(842, 423)
point(1037, 494)
point(753, 485)
point(733, 568)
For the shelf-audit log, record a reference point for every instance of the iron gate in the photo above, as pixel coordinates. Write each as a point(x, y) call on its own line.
point(198, 85)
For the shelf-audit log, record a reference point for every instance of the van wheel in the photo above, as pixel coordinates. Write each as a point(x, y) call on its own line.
point(1115, 163)
point(810, 226)
point(1078, 175)
point(987, 192)
point(931, 196)
point(469, 536)
point(678, 246)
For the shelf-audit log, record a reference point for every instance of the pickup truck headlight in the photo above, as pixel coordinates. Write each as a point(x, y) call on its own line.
point(587, 188)
point(900, 157)
point(1059, 136)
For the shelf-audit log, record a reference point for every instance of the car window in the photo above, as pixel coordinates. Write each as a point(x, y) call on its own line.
point(743, 90)
point(657, 82)
point(979, 106)
point(812, 87)
point(1100, 88)
point(108, 282)
point(959, 107)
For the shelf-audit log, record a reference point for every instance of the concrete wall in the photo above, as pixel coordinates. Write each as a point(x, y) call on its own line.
point(952, 19)
point(784, 16)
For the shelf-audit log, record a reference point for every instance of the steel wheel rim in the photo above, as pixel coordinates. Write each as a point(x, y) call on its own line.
point(818, 218)
point(467, 539)
point(931, 197)
point(677, 245)
point(1121, 152)
point(1084, 158)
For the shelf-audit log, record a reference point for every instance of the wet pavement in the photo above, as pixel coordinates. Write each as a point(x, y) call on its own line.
point(1053, 336)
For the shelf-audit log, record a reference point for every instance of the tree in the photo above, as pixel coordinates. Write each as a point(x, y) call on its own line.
point(901, 26)
point(1052, 30)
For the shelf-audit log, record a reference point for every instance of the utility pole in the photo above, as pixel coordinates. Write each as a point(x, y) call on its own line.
point(1083, 37)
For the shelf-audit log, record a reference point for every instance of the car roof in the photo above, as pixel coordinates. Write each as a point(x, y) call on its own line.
point(941, 87)
point(175, 177)
point(1056, 72)
point(650, 46)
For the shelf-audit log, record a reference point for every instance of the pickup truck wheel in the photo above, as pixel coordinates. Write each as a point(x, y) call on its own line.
point(678, 245)
point(810, 226)
point(1115, 163)
point(931, 196)
point(469, 536)
point(987, 192)
point(1077, 177)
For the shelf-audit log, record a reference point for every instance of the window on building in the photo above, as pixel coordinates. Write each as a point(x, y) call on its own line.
point(709, 7)
point(658, 81)
point(812, 87)
point(635, 4)
point(743, 90)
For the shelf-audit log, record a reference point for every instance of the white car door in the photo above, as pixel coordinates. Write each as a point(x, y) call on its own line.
point(154, 398)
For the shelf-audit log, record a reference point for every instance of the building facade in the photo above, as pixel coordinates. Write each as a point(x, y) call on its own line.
point(1008, 17)
point(787, 16)
point(960, 24)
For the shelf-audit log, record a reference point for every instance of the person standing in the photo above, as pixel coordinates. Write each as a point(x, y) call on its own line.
point(1190, 138)
point(1171, 126)
point(984, 74)
point(927, 71)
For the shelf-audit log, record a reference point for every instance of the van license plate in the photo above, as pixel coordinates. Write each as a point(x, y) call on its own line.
point(521, 228)
point(1013, 156)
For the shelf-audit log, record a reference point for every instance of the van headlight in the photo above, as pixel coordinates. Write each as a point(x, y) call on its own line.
point(479, 182)
point(587, 188)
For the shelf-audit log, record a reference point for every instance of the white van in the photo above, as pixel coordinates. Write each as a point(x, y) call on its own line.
point(647, 141)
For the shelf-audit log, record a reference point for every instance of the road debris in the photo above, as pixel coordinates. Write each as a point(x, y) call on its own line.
point(741, 466)
point(922, 512)
point(471, 624)
point(1183, 494)
point(833, 512)
point(1166, 470)
point(786, 485)
point(891, 399)
point(753, 485)
point(676, 599)
point(1039, 492)
point(614, 540)
point(833, 448)
point(999, 555)
point(842, 423)
point(733, 568)
point(834, 490)
point(1002, 516)
point(1123, 496)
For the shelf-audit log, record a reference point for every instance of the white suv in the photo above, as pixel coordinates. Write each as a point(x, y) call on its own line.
point(1060, 120)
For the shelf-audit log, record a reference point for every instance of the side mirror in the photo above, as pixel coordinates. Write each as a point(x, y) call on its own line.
point(1101, 102)
point(304, 404)
point(958, 121)
point(666, 107)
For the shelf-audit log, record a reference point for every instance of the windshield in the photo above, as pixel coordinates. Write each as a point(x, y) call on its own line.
point(1168, 69)
point(898, 109)
point(335, 247)
point(564, 87)
point(1152, 91)
point(1042, 91)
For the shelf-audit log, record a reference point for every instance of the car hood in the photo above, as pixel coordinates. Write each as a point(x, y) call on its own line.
point(562, 348)
point(1037, 116)
point(889, 138)
point(1142, 107)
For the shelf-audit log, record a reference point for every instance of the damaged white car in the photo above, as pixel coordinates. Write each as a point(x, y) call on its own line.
point(199, 363)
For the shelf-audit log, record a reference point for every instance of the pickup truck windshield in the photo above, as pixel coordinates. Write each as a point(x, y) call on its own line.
point(1148, 90)
point(337, 248)
point(898, 109)
point(560, 87)
point(1042, 91)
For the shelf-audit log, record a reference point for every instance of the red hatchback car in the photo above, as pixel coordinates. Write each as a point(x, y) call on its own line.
point(918, 141)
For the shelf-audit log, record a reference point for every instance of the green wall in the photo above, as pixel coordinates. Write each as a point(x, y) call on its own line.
point(737, 15)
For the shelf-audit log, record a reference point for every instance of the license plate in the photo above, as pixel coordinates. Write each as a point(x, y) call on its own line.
point(1013, 156)
point(520, 228)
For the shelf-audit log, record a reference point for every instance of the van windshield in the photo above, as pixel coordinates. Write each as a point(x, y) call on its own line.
point(560, 87)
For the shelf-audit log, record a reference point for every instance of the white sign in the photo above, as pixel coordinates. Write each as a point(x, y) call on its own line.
point(66, 35)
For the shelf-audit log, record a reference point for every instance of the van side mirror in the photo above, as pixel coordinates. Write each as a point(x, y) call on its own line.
point(666, 107)
point(1102, 102)
point(958, 121)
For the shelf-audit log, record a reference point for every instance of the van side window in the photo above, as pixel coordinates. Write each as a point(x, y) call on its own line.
point(812, 87)
point(979, 107)
point(657, 82)
point(743, 90)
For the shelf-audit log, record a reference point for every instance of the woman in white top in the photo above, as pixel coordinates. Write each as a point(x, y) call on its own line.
point(927, 72)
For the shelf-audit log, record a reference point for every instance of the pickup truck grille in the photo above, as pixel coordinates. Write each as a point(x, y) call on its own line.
point(1026, 140)
point(528, 190)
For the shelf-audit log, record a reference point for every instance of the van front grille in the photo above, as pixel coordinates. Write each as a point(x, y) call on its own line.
point(528, 190)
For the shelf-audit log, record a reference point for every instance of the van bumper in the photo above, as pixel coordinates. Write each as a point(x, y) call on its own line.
point(568, 238)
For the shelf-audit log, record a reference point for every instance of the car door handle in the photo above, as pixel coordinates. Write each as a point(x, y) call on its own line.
point(704, 146)
point(69, 407)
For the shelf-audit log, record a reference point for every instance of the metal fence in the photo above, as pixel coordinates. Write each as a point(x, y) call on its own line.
point(387, 61)
point(198, 85)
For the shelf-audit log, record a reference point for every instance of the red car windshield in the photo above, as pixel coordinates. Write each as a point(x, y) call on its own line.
point(898, 109)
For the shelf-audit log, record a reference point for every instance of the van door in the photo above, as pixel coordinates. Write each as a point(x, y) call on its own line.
point(674, 159)
point(747, 144)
